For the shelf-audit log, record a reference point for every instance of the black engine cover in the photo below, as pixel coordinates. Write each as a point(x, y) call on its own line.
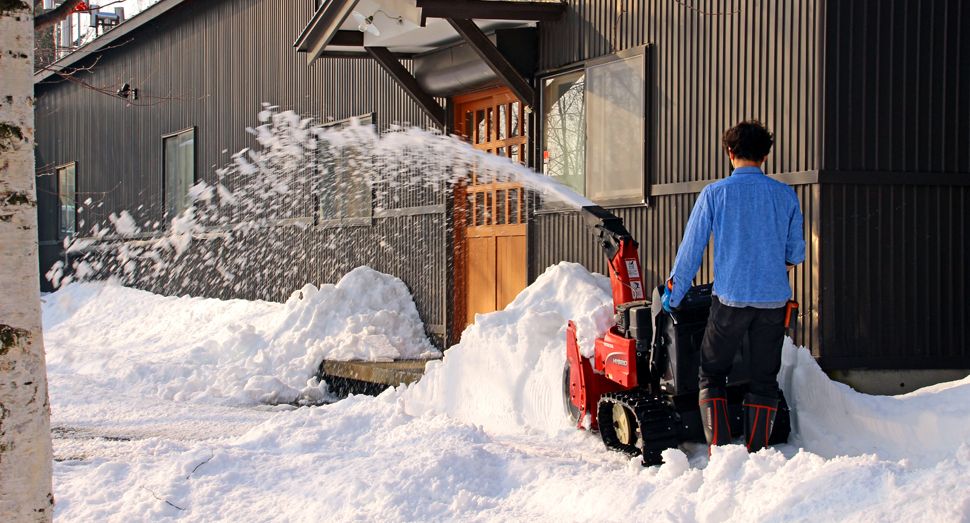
point(678, 337)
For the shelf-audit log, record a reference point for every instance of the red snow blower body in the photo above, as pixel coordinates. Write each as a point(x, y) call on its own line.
point(639, 388)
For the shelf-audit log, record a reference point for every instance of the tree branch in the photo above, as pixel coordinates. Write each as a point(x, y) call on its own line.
point(55, 15)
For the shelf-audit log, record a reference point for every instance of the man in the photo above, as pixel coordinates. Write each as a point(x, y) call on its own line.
point(757, 227)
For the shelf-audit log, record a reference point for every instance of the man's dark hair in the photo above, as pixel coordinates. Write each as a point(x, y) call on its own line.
point(748, 140)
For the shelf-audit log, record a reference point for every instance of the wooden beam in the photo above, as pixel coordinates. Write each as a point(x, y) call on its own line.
point(406, 80)
point(361, 54)
point(492, 9)
point(476, 38)
point(348, 39)
point(345, 54)
point(323, 27)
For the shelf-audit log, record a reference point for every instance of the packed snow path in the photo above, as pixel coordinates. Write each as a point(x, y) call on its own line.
point(481, 437)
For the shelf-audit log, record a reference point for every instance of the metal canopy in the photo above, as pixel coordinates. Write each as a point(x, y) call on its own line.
point(408, 27)
point(323, 27)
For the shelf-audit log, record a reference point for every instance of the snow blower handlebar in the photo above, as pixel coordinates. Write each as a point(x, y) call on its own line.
point(621, 251)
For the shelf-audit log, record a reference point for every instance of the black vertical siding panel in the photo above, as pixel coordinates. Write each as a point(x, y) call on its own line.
point(895, 282)
point(895, 103)
point(899, 68)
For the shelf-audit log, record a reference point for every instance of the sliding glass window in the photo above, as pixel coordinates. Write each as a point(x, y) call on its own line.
point(563, 130)
point(615, 96)
point(594, 128)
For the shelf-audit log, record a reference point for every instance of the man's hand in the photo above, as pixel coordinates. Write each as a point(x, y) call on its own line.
point(665, 300)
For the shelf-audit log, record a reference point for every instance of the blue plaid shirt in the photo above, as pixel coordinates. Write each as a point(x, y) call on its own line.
point(757, 227)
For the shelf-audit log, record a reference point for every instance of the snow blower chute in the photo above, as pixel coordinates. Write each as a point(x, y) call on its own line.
point(639, 389)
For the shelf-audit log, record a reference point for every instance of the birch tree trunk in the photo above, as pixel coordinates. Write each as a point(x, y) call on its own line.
point(25, 440)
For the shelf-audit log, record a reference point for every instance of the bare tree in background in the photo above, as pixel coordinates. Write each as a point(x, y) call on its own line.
point(26, 494)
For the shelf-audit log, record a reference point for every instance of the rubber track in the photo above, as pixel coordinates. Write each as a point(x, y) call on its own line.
point(655, 424)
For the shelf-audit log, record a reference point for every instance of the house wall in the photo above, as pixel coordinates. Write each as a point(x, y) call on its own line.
point(870, 104)
point(896, 163)
point(210, 65)
point(708, 73)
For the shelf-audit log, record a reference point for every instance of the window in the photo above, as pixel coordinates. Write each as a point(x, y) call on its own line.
point(67, 197)
point(179, 168)
point(594, 128)
point(345, 197)
point(563, 132)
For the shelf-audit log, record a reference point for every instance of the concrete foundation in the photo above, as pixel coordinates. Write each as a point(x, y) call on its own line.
point(894, 382)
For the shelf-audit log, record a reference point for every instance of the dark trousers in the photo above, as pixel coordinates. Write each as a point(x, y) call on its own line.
point(726, 327)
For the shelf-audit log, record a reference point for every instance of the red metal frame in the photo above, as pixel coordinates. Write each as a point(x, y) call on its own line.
point(626, 279)
point(614, 365)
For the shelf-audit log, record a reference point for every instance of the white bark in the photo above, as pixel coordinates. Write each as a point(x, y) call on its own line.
point(25, 442)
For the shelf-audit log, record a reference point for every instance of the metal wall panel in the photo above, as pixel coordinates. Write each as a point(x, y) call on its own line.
point(896, 125)
point(896, 276)
point(210, 65)
point(899, 87)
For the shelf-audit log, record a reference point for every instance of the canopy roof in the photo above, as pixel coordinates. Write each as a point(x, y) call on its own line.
point(411, 26)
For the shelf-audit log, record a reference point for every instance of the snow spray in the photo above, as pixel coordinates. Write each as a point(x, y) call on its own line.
point(237, 233)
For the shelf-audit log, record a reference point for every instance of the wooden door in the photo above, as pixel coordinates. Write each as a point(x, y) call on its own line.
point(491, 243)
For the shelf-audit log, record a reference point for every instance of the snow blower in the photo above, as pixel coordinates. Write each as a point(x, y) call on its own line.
point(639, 388)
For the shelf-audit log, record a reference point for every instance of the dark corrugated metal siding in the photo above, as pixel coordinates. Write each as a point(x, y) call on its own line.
point(898, 260)
point(709, 72)
point(210, 65)
point(899, 87)
point(896, 276)
point(897, 151)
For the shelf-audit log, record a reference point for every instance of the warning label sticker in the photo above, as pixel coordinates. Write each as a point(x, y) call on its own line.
point(637, 287)
point(631, 269)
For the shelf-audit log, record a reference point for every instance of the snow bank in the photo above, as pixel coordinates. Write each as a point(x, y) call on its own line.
point(924, 427)
point(506, 375)
point(198, 349)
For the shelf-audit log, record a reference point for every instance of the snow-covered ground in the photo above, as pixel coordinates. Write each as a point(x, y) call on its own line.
point(154, 422)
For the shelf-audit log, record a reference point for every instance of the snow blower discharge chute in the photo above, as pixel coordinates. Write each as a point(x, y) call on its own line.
point(640, 388)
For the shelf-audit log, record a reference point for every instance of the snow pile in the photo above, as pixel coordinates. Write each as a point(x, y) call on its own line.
point(195, 349)
point(506, 373)
point(366, 459)
point(923, 427)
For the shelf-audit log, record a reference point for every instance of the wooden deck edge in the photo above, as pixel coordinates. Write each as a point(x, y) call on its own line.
point(392, 373)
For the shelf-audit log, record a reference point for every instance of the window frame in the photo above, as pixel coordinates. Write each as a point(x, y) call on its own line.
point(643, 199)
point(61, 234)
point(195, 163)
point(357, 221)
